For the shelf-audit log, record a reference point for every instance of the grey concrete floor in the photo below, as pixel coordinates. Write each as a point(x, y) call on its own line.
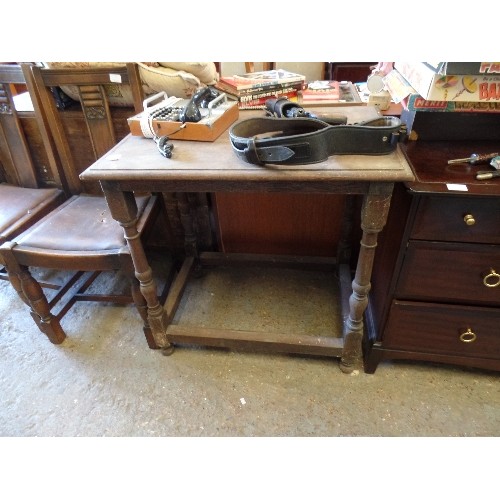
point(103, 380)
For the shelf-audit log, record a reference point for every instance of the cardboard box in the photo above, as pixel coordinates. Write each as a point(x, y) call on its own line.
point(415, 102)
point(465, 68)
point(435, 87)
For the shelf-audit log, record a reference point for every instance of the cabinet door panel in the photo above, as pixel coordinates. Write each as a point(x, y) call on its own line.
point(450, 272)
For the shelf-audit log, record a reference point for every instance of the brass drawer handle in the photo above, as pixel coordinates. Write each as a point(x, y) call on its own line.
point(469, 220)
point(468, 336)
point(492, 279)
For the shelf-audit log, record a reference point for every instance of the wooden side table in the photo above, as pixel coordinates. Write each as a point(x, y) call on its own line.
point(136, 165)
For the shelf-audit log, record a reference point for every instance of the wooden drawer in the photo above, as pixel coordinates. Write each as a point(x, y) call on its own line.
point(450, 272)
point(442, 329)
point(441, 218)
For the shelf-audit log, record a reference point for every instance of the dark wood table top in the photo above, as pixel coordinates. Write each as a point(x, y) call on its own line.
point(429, 161)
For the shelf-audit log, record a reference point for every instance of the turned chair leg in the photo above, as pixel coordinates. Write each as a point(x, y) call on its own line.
point(31, 293)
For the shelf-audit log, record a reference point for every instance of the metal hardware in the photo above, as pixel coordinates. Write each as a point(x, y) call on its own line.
point(474, 159)
point(468, 336)
point(485, 175)
point(487, 279)
point(469, 220)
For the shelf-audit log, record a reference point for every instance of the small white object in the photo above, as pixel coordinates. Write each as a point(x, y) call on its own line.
point(375, 82)
point(242, 401)
point(115, 78)
point(456, 187)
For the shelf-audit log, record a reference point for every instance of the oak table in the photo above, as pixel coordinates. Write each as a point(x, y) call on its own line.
point(135, 164)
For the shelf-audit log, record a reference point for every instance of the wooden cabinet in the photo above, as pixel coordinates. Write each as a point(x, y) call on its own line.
point(349, 71)
point(436, 282)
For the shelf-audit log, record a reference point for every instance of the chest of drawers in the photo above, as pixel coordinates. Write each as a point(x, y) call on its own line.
point(436, 293)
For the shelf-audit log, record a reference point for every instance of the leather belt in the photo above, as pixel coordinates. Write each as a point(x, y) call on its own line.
point(294, 141)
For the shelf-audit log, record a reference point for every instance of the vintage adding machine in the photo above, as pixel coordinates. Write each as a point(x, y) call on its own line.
point(202, 118)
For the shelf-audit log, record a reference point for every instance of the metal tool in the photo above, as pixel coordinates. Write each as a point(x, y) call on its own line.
point(489, 174)
point(485, 175)
point(474, 159)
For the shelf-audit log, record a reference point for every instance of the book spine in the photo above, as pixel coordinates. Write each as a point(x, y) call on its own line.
point(262, 91)
point(316, 96)
point(260, 84)
point(260, 103)
point(268, 94)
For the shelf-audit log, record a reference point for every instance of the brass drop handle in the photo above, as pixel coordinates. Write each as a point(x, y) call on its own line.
point(468, 336)
point(492, 279)
point(469, 220)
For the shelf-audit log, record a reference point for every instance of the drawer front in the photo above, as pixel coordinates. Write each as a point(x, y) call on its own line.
point(450, 272)
point(466, 218)
point(441, 329)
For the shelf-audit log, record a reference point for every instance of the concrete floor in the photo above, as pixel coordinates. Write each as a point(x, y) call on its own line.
point(104, 380)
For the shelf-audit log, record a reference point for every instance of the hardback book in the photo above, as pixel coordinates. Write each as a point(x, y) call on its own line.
point(321, 89)
point(255, 93)
point(268, 94)
point(260, 103)
point(260, 79)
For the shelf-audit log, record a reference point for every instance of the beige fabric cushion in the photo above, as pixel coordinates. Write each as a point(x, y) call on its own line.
point(206, 72)
point(172, 82)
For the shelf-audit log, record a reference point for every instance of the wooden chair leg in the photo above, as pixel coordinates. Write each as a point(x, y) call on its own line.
point(31, 293)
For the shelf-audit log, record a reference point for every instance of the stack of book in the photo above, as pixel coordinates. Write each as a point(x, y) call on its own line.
point(320, 90)
point(330, 93)
point(252, 90)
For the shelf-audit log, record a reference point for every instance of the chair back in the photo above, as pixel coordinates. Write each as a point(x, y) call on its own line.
point(17, 166)
point(75, 144)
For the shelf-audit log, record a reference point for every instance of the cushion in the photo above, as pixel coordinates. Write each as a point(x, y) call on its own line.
point(20, 202)
point(98, 231)
point(206, 72)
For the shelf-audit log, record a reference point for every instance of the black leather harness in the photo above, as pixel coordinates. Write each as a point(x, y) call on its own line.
point(295, 141)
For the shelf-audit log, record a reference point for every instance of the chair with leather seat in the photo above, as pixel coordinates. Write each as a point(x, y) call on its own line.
point(24, 199)
point(80, 235)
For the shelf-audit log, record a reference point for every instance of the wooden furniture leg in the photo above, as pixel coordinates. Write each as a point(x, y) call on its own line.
point(31, 293)
point(190, 240)
point(123, 209)
point(373, 217)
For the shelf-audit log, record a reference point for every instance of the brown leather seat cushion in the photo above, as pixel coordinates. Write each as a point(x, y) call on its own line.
point(83, 223)
point(17, 202)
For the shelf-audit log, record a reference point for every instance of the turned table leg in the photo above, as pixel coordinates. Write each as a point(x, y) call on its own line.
point(123, 209)
point(373, 218)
